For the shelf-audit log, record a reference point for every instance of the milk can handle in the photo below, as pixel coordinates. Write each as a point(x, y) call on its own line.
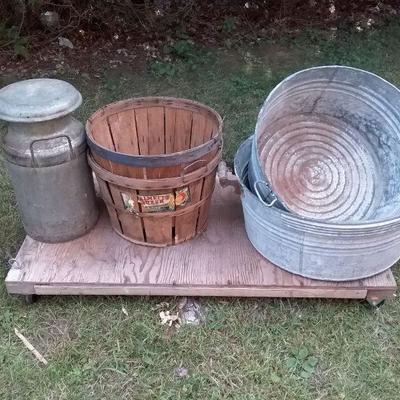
point(271, 203)
point(44, 140)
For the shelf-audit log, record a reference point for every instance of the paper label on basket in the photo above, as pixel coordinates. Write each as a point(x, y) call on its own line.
point(157, 202)
point(182, 197)
point(129, 203)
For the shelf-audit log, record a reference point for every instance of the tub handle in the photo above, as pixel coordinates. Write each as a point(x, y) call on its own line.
point(271, 203)
point(45, 140)
point(185, 170)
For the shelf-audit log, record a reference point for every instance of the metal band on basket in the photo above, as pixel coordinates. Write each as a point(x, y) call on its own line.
point(163, 160)
point(149, 184)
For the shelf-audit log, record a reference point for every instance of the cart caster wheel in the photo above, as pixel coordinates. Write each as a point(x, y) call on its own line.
point(30, 298)
point(376, 303)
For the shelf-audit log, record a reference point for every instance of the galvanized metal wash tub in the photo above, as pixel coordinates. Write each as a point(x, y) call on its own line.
point(328, 145)
point(45, 154)
point(315, 249)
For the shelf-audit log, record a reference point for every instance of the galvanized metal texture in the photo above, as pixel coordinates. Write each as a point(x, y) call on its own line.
point(36, 100)
point(328, 144)
point(316, 249)
point(43, 144)
point(57, 203)
point(256, 176)
point(47, 164)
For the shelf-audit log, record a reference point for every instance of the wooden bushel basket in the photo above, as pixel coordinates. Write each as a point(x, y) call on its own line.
point(155, 160)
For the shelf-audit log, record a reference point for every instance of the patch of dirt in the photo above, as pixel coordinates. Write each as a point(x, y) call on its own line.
point(84, 59)
point(54, 332)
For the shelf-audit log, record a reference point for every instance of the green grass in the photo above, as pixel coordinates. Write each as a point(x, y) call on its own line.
point(246, 347)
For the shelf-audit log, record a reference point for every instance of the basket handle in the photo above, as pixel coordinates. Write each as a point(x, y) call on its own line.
point(271, 203)
point(185, 170)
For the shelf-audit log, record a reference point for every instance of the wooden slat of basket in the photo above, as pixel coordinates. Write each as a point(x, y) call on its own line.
point(183, 130)
point(114, 126)
point(142, 126)
point(123, 129)
point(131, 225)
point(156, 118)
point(124, 133)
point(208, 186)
point(170, 118)
point(147, 102)
point(101, 133)
point(210, 130)
point(158, 230)
point(185, 225)
point(105, 193)
point(198, 130)
point(156, 132)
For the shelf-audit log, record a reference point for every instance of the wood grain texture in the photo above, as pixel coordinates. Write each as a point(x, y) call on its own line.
point(158, 230)
point(101, 133)
point(186, 225)
point(131, 225)
point(220, 262)
point(198, 130)
point(170, 118)
point(106, 195)
point(183, 129)
point(142, 126)
point(156, 119)
point(123, 129)
point(208, 185)
point(156, 130)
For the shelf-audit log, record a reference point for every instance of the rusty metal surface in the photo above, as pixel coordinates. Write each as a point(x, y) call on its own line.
point(328, 144)
point(315, 249)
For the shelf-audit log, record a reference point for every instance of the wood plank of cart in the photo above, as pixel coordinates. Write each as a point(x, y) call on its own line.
point(220, 262)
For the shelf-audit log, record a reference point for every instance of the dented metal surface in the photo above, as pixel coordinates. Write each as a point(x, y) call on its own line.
point(315, 249)
point(328, 144)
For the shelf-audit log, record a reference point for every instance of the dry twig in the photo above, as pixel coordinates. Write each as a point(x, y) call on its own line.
point(30, 347)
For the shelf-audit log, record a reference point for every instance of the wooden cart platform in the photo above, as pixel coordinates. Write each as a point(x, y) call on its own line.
point(220, 262)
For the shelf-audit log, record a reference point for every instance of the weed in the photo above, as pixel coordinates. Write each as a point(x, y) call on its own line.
point(10, 38)
point(229, 24)
point(164, 69)
point(302, 362)
point(182, 49)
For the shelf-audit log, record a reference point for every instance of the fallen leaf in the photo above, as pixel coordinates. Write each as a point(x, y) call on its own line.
point(168, 318)
point(181, 372)
point(125, 311)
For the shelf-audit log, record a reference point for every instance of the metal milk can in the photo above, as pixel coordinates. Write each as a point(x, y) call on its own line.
point(45, 154)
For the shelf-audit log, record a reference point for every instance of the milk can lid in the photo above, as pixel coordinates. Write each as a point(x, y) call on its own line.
point(36, 100)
